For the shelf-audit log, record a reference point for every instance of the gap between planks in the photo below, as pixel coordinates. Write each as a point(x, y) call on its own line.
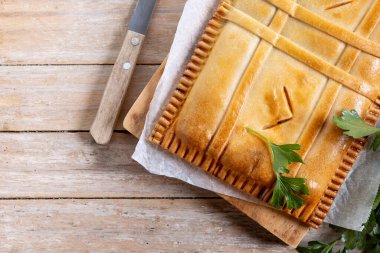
point(80, 32)
point(115, 198)
point(71, 165)
point(74, 64)
point(95, 225)
point(88, 225)
point(59, 98)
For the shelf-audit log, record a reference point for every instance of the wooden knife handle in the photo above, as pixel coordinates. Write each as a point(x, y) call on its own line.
point(117, 85)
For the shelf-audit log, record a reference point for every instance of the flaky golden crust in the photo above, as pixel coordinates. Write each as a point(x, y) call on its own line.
point(258, 65)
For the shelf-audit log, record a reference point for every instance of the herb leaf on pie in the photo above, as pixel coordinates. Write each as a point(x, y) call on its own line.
point(286, 188)
point(355, 127)
point(283, 155)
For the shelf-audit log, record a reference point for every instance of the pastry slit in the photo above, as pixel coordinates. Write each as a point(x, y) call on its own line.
point(338, 5)
point(359, 86)
point(299, 12)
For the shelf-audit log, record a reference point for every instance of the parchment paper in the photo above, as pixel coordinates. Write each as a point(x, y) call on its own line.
point(350, 209)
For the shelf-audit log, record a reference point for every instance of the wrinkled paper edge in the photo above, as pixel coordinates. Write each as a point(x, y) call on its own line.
point(353, 204)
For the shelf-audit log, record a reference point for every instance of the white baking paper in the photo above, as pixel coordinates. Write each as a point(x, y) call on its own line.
point(352, 206)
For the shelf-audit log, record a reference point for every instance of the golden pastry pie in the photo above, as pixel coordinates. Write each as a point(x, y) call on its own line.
point(284, 68)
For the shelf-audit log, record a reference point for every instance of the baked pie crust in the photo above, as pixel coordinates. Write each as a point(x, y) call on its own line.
point(283, 68)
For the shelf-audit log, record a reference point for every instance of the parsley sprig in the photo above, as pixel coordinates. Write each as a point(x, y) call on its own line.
point(319, 247)
point(286, 188)
point(355, 127)
point(367, 240)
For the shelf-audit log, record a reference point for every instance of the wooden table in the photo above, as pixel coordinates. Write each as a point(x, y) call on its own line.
point(60, 191)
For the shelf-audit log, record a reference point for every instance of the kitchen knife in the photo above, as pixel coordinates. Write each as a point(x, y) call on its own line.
point(117, 85)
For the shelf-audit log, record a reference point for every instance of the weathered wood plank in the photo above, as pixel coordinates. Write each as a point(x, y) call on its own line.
point(131, 225)
point(57, 98)
point(79, 32)
point(54, 165)
point(70, 165)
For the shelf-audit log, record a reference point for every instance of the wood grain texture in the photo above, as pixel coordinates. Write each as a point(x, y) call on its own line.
point(62, 165)
point(69, 165)
point(80, 32)
point(131, 226)
point(288, 229)
point(59, 98)
point(116, 88)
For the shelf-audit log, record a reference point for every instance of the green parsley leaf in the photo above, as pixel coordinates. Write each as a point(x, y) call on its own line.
point(376, 143)
point(376, 204)
point(286, 188)
point(354, 126)
point(369, 226)
point(283, 155)
point(353, 239)
point(318, 247)
point(367, 240)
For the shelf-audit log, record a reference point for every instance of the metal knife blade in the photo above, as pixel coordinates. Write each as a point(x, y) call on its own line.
point(141, 16)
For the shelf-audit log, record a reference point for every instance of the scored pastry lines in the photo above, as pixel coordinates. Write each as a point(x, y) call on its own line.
point(284, 107)
point(353, 152)
point(284, 44)
point(323, 108)
point(163, 133)
point(226, 174)
point(347, 60)
point(191, 154)
point(301, 13)
point(337, 5)
point(267, 192)
point(325, 104)
point(220, 139)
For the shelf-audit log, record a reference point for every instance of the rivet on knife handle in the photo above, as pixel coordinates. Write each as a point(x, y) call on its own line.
point(117, 85)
